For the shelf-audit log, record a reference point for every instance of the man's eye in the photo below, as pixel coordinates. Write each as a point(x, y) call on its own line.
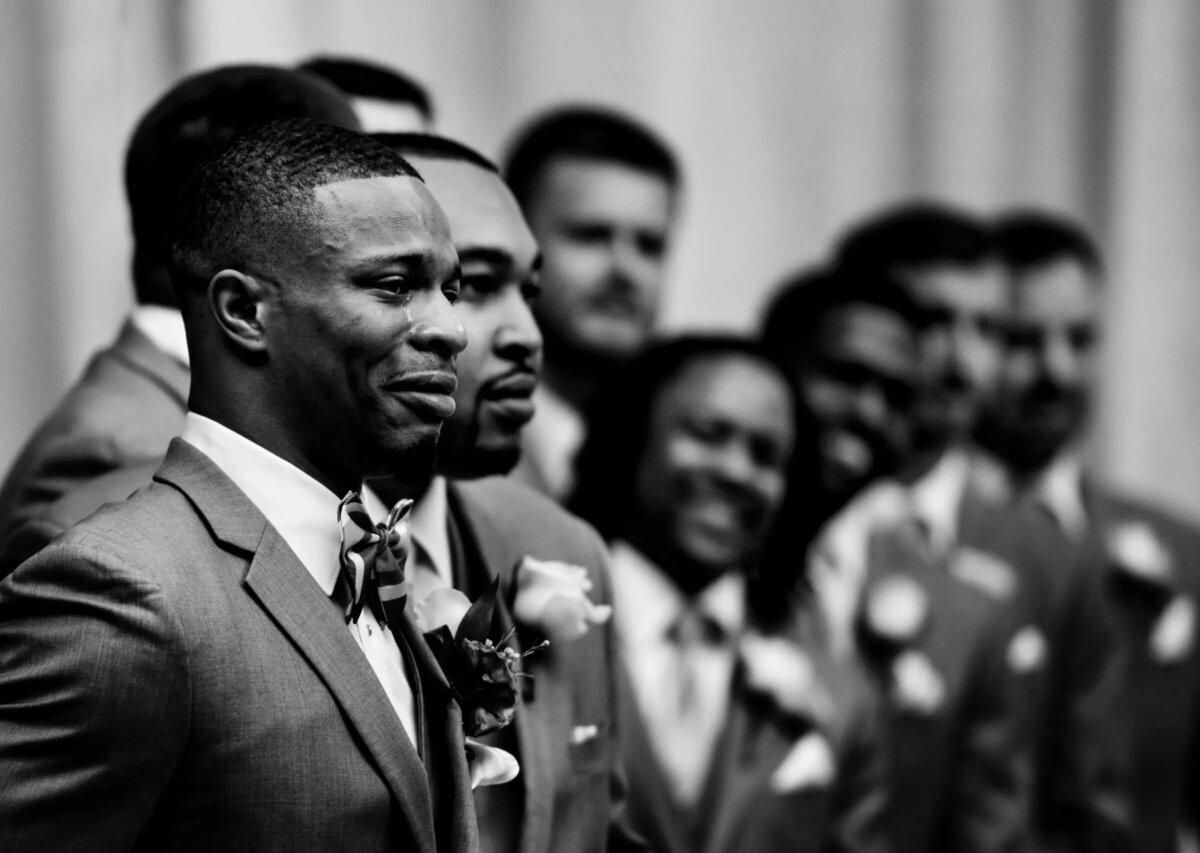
point(393, 283)
point(531, 290)
point(451, 291)
point(479, 285)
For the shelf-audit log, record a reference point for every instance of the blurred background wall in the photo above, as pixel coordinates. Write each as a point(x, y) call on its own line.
point(793, 117)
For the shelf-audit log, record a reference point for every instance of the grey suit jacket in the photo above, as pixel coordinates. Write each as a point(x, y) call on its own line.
point(566, 729)
point(121, 413)
point(171, 678)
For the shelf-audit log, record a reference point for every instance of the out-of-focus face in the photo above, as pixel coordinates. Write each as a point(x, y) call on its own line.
point(713, 472)
point(362, 336)
point(961, 348)
point(498, 371)
point(1045, 385)
point(855, 391)
point(603, 229)
point(377, 115)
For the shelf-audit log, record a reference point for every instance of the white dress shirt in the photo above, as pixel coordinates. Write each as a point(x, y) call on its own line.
point(304, 513)
point(937, 499)
point(646, 605)
point(164, 327)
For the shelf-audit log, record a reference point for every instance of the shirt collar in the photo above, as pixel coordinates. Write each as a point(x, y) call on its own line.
point(646, 603)
point(550, 442)
point(1059, 488)
point(937, 498)
point(428, 524)
point(164, 327)
point(301, 510)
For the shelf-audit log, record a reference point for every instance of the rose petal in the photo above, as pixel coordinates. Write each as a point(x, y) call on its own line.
point(490, 765)
point(441, 607)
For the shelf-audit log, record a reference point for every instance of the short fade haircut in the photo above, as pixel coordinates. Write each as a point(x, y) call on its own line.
point(434, 147)
point(361, 78)
point(1034, 238)
point(916, 234)
point(590, 133)
point(195, 119)
point(259, 192)
point(804, 300)
point(618, 423)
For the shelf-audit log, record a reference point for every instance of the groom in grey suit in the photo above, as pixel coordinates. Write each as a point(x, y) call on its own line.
point(178, 671)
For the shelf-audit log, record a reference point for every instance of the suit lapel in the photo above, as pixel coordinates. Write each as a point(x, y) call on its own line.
point(729, 785)
point(485, 551)
point(314, 624)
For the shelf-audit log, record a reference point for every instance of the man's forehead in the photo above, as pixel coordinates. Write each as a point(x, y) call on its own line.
point(947, 284)
point(869, 333)
point(1060, 288)
point(400, 204)
point(604, 186)
point(479, 207)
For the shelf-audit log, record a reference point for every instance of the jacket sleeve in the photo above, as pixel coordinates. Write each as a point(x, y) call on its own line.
point(94, 701)
point(859, 811)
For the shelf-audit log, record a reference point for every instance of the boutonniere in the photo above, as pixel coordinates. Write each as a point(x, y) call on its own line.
point(895, 609)
point(917, 686)
point(481, 668)
point(1136, 550)
point(1174, 632)
point(810, 763)
point(779, 670)
point(552, 598)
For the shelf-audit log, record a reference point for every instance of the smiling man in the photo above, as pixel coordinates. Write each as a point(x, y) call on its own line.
point(200, 667)
point(471, 527)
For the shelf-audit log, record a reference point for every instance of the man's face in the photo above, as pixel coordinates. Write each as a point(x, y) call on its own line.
point(855, 390)
point(362, 337)
point(713, 471)
point(961, 346)
point(603, 229)
point(1046, 382)
point(498, 371)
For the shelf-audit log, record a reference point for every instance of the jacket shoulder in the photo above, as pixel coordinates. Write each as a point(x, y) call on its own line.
point(515, 507)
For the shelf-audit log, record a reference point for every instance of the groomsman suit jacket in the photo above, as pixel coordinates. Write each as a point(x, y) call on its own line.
point(1072, 701)
point(172, 678)
point(742, 809)
point(566, 730)
point(1163, 679)
point(960, 767)
point(124, 410)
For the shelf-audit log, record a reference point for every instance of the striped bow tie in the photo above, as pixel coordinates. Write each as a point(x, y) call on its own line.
point(372, 558)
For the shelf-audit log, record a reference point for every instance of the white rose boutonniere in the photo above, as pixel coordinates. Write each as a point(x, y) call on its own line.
point(1136, 549)
point(917, 686)
point(552, 597)
point(783, 672)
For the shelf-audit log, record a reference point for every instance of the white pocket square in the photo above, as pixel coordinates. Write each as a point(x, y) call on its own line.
point(582, 734)
point(809, 764)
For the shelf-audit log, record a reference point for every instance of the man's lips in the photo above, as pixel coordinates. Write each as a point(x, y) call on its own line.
point(508, 397)
point(428, 393)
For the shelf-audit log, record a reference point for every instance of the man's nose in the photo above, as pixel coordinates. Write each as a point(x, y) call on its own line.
point(870, 406)
point(1059, 361)
point(518, 337)
point(439, 329)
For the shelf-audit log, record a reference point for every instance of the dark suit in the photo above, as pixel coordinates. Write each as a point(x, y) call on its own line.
point(739, 810)
point(1072, 705)
point(571, 790)
point(960, 772)
point(172, 678)
point(124, 410)
point(1163, 685)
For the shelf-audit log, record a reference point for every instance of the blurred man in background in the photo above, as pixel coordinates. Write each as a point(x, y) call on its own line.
point(1148, 558)
point(601, 194)
point(729, 748)
point(110, 431)
point(1065, 644)
point(384, 99)
point(470, 527)
point(850, 557)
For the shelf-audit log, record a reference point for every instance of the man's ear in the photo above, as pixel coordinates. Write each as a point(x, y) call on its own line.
point(239, 304)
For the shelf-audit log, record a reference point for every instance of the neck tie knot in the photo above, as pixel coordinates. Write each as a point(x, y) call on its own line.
point(372, 558)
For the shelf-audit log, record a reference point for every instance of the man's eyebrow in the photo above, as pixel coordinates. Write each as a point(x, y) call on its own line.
point(485, 254)
point(407, 259)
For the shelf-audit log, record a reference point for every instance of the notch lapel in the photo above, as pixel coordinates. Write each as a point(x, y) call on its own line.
point(314, 624)
point(473, 538)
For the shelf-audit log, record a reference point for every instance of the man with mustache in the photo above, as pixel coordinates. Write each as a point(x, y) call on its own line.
point(220, 662)
point(958, 767)
point(1064, 645)
point(601, 193)
point(470, 527)
point(1150, 558)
